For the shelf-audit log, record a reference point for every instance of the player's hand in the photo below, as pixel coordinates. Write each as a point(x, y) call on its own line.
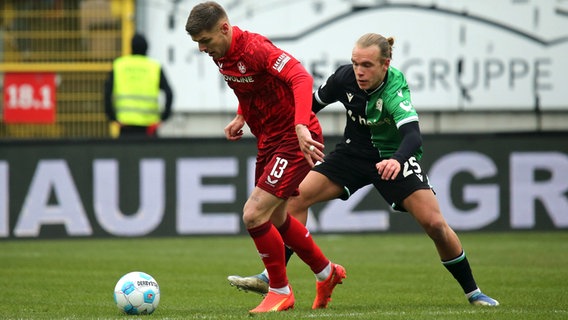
point(234, 130)
point(388, 169)
point(313, 150)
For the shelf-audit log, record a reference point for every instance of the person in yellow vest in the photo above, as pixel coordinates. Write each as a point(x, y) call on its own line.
point(132, 91)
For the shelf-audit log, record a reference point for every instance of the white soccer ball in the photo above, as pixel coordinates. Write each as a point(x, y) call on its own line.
point(137, 293)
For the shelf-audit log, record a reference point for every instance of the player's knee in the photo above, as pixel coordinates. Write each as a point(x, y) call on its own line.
point(436, 228)
point(251, 220)
point(252, 217)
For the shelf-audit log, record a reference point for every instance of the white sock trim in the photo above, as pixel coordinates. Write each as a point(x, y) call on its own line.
point(468, 295)
point(324, 274)
point(283, 290)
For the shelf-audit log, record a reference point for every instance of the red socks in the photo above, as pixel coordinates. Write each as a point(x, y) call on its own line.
point(269, 244)
point(270, 247)
point(298, 238)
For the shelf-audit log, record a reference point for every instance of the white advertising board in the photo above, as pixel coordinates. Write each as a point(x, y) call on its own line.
point(457, 55)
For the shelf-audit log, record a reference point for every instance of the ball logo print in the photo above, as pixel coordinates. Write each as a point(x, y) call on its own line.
point(137, 293)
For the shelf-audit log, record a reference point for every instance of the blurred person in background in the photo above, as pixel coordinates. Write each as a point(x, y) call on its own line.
point(132, 92)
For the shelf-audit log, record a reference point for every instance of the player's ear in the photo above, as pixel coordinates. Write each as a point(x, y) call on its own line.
point(225, 27)
point(386, 63)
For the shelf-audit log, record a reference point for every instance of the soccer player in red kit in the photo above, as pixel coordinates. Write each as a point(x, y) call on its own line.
point(275, 96)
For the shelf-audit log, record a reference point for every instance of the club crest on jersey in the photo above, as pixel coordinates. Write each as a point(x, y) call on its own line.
point(242, 67)
point(379, 104)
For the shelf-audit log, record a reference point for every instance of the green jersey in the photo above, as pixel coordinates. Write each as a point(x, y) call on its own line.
point(387, 109)
point(373, 118)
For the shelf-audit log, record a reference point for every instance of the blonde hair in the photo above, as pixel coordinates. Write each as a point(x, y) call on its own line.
point(374, 39)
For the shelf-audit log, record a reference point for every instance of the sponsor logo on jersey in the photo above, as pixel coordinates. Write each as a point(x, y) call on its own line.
point(242, 67)
point(246, 79)
point(220, 65)
point(350, 114)
point(374, 123)
point(281, 62)
point(349, 96)
point(406, 105)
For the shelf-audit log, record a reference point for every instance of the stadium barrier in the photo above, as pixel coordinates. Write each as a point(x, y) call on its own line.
point(71, 43)
point(182, 187)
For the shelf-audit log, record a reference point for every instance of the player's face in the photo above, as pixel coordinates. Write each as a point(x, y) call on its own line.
point(215, 42)
point(369, 67)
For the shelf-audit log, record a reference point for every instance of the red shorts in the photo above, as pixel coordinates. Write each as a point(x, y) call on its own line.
point(280, 170)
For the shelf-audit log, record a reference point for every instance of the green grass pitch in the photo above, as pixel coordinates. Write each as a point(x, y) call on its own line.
point(389, 276)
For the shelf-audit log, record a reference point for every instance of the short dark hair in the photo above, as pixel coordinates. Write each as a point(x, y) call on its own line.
point(204, 17)
point(139, 45)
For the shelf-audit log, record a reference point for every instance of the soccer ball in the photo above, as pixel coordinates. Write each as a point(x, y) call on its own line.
point(137, 293)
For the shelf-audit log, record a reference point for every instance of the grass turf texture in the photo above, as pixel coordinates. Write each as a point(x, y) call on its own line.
point(388, 277)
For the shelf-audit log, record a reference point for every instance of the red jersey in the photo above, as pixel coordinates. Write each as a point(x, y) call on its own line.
point(273, 89)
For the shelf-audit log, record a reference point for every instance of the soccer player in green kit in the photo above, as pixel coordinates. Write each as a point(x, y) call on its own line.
point(382, 145)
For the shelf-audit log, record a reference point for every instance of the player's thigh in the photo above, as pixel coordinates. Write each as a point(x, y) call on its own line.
point(315, 188)
point(423, 206)
point(259, 207)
